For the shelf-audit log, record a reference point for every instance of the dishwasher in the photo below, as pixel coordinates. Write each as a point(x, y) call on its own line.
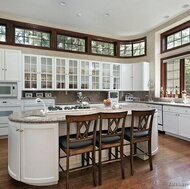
point(7, 107)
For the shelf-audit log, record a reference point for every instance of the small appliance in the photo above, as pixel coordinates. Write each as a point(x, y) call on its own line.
point(113, 96)
point(8, 89)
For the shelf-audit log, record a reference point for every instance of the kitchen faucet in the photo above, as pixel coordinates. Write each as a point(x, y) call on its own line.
point(83, 100)
point(45, 110)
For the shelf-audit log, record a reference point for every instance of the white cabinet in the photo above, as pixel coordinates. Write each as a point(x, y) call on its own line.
point(29, 161)
point(135, 76)
point(38, 72)
point(10, 65)
point(176, 121)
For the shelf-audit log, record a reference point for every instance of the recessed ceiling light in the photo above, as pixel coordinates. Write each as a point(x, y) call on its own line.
point(166, 16)
point(107, 15)
point(185, 6)
point(79, 14)
point(63, 3)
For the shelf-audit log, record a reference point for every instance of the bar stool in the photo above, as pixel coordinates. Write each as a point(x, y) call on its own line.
point(140, 131)
point(110, 134)
point(81, 142)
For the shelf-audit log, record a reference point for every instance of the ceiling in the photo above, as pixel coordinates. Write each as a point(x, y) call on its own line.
point(112, 18)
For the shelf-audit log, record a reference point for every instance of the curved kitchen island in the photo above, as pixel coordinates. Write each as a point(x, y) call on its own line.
point(33, 148)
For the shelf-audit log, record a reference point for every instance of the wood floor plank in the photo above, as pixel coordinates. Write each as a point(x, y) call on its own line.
point(171, 169)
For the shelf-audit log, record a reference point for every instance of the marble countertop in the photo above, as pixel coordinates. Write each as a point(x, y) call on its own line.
point(36, 116)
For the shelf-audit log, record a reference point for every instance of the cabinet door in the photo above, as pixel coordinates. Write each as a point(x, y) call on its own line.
point(46, 70)
point(39, 153)
point(2, 68)
point(85, 74)
point(116, 76)
point(30, 79)
point(184, 125)
point(73, 74)
point(170, 122)
point(106, 76)
point(14, 150)
point(10, 64)
point(95, 73)
point(127, 77)
point(60, 73)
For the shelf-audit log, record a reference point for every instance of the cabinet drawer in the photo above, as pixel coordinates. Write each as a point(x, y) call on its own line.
point(170, 109)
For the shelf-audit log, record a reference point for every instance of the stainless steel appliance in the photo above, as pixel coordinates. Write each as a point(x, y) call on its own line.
point(8, 89)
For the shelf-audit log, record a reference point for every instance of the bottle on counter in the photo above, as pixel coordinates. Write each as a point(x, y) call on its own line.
point(176, 92)
point(161, 92)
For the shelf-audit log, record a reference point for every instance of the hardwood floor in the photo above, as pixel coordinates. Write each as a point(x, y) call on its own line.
point(171, 169)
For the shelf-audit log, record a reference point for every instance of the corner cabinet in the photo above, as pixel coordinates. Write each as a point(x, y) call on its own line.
point(135, 77)
point(10, 65)
point(29, 161)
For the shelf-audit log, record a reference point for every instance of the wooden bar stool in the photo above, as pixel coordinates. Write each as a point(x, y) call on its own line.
point(110, 135)
point(140, 131)
point(81, 142)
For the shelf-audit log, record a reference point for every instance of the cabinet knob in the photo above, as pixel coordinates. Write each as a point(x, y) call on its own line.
point(17, 129)
point(21, 130)
point(2, 68)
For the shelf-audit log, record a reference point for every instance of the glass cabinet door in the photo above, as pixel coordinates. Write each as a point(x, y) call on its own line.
point(116, 76)
point(73, 74)
point(60, 73)
point(106, 76)
point(30, 72)
point(46, 72)
point(85, 74)
point(95, 72)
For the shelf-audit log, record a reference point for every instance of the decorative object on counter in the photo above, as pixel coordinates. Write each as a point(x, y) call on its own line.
point(48, 94)
point(39, 95)
point(107, 102)
point(184, 96)
point(28, 95)
point(129, 97)
point(176, 92)
point(161, 92)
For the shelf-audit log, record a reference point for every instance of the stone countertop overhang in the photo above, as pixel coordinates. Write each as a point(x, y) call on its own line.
point(35, 116)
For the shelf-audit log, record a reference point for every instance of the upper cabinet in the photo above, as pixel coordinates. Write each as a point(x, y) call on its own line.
point(38, 72)
point(135, 77)
point(10, 65)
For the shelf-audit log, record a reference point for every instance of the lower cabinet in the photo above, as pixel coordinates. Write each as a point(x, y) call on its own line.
point(33, 153)
point(176, 121)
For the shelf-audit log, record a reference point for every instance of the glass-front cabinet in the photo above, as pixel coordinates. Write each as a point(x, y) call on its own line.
point(95, 72)
point(30, 72)
point(106, 76)
point(116, 76)
point(46, 72)
point(61, 73)
point(73, 74)
point(38, 72)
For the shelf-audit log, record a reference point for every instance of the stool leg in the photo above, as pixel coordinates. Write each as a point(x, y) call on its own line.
point(150, 154)
point(122, 164)
point(100, 167)
point(131, 158)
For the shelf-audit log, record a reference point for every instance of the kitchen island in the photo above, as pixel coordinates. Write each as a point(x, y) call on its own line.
point(33, 148)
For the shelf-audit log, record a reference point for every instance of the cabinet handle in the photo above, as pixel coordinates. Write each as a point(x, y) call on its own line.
point(21, 130)
point(2, 68)
point(5, 69)
point(17, 129)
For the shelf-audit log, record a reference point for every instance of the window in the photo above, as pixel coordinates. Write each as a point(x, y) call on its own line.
point(70, 43)
point(173, 75)
point(32, 37)
point(2, 33)
point(104, 48)
point(176, 37)
point(132, 48)
point(176, 74)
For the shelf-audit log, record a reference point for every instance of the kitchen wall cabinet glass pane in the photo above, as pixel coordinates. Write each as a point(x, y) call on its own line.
point(85, 74)
point(30, 71)
point(106, 76)
point(73, 74)
point(46, 72)
point(60, 73)
point(116, 76)
point(95, 72)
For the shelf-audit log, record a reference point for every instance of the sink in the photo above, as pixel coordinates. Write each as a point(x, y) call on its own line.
point(33, 117)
